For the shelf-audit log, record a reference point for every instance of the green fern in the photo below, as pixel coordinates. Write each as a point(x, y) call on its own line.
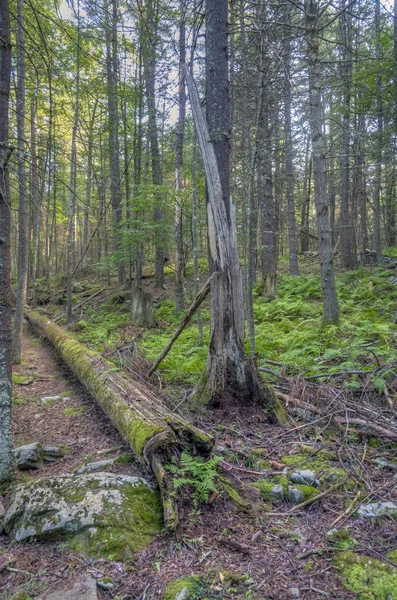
point(194, 471)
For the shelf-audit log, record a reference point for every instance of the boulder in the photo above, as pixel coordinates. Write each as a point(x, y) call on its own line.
point(32, 456)
point(81, 590)
point(29, 456)
point(377, 509)
point(104, 514)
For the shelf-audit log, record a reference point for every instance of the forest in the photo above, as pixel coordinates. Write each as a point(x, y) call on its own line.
point(198, 299)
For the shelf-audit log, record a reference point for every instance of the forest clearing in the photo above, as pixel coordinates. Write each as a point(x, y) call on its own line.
point(198, 300)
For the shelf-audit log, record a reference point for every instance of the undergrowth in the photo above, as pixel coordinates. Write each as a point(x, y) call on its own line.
point(288, 329)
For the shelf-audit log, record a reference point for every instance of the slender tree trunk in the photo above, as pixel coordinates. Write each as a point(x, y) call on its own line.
point(23, 216)
point(111, 18)
point(307, 186)
point(179, 295)
point(248, 181)
point(195, 235)
point(6, 440)
point(289, 168)
point(330, 300)
point(149, 60)
point(72, 183)
point(267, 208)
point(87, 207)
point(378, 169)
point(35, 192)
point(348, 251)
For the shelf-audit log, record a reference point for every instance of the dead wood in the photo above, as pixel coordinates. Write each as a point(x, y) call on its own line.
point(369, 426)
point(154, 433)
point(201, 296)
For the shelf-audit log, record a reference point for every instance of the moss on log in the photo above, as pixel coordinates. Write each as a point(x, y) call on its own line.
point(154, 433)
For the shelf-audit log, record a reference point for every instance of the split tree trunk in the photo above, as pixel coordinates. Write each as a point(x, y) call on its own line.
point(229, 376)
point(154, 433)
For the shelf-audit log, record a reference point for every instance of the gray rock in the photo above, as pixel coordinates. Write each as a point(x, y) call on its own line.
point(220, 450)
point(81, 590)
point(106, 583)
point(2, 510)
point(30, 456)
point(100, 511)
point(306, 477)
point(294, 495)
point(100, 465)
point(377, 509)
point(277, 493)
point(294, 593)
point(183, 594)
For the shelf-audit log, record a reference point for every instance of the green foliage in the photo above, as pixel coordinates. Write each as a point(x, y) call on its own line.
point(196, 472)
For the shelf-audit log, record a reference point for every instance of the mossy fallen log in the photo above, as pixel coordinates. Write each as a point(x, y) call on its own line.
point(154, 433)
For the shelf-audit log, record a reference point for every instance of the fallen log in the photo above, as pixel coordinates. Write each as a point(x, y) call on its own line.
point(154, 433)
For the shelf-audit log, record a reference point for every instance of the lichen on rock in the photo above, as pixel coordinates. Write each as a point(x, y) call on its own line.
point(103, 514)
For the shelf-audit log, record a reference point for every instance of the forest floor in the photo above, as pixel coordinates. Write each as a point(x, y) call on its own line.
point(275, 548)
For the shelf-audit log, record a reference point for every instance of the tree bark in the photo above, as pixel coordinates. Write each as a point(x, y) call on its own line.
point(154, 433)
point(111, 17)
point(70, 251)
point(23, 216)
point(149, 67)
point(289, 167)
point(379, 157)
point(179, 293)
point(6, 440)
point(348, 251)
point(330, 300)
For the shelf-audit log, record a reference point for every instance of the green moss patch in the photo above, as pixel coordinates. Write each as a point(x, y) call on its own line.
point(192, 583)
point(368, 578)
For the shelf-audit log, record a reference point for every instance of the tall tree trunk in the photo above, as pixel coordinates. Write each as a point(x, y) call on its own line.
point(6, 441)
point(379, 109)
point(347, 234)
point(87, 206)
point(149, 64)
point(248, 170)
point(195, 235)
point(23, 217)
point(229, 377)
point(72, 183)
point(35, 192)
point(267, 207)
point(111, 18)
point(289, 168)
point(330, 300)
point(307, 187)
point(179, 295)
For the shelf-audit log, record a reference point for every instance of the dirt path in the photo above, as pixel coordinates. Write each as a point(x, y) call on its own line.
point(73, 421)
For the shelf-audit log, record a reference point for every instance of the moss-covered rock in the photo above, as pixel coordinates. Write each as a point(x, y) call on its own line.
point(103, 514)
point(368, 578)
point(192, 583)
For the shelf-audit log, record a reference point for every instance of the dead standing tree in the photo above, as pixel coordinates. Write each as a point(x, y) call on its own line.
point(229, 375)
